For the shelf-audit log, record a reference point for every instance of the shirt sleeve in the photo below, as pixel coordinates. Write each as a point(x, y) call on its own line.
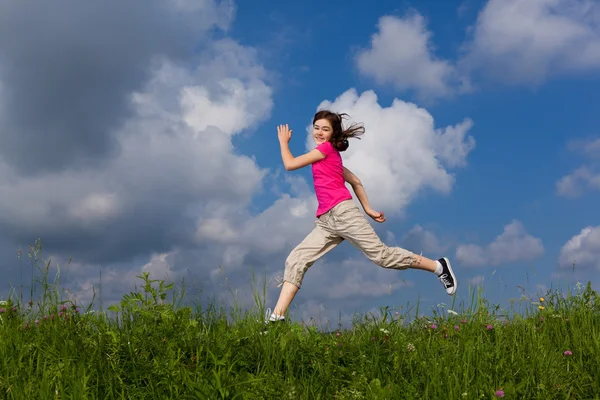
point(326, 148)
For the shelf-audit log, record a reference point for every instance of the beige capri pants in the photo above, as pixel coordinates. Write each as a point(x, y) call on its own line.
point(345, 221)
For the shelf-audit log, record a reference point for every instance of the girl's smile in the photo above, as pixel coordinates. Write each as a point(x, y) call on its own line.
point(322, 131)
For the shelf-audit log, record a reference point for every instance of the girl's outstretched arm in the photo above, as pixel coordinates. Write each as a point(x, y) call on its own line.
point(362, 195)
point(289, 161)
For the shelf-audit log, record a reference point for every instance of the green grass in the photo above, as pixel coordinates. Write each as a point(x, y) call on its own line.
point(151, 346)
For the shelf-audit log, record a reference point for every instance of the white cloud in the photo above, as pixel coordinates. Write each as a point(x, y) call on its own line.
point(578, 182)
point(171, 168)
point(401, 153)
point(419, 239)
point(528, 41)
point(583, 250)
point(586, 177)
point(589, 147)
point(401, 54)
point(513, 245)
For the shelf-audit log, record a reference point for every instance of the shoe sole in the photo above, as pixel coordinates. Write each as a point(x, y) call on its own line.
point(452, 275)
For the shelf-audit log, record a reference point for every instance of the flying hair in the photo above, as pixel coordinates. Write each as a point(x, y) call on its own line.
point(340, 136)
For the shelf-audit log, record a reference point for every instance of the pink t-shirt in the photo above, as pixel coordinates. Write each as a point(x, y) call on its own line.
point(328, 179)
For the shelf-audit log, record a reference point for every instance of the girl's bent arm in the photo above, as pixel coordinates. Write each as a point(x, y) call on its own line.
point(358, 188)
point(362, 195)
point(291, 163)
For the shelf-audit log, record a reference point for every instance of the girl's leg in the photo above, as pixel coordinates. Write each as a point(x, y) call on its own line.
point(353, 226)
point(287, 294)
point(423, 263)
point(314, 246)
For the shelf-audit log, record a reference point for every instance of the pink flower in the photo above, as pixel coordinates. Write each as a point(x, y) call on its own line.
point(456, 327)
point(433, 326)
point(499, 393)
point(463, 321)
point(337, 334)
point(490, 327)
point(2, 310)
point(568, 353)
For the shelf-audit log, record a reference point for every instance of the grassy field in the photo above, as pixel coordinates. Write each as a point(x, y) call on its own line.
point(149, 346)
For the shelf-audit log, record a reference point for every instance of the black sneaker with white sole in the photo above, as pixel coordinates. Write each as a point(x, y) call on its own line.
point(447, 277)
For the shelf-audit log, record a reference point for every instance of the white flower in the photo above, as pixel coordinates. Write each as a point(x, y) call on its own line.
point(3, 303)
point(452, 312)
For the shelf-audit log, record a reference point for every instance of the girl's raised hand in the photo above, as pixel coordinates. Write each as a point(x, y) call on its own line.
point(284, 133)
point(377, 216)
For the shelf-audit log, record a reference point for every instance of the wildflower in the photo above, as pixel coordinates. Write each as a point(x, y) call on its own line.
point(45, 318)
point(37, 322)
point(499, 393)
point(542, 299)
point(541, 307)
point(64, 307)
point(2, 310)
point(452, 312)
point(490, 327)
point(14, 309)
point(463, 321)
point(456, 327)
point(410, 347)
point(337, 334)
point(568, 353)
point(433, 326)
point(384, 331)
point(3, 303)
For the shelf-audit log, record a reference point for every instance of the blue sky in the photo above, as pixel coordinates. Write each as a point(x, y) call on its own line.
point(522, 130)
point(169, 160)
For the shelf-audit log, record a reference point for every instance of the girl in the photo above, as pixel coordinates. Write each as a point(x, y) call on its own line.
point(338, 216)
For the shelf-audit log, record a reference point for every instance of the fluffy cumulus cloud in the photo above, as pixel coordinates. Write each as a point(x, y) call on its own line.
point(527, 42)
point(586, 177)
point(513, 245)
point(69, 74)
point(513, 41)
point(402, 153)
point(116, 144)
point(401, 53)
point(420, 240)
point(582, 251)
point(117, 150)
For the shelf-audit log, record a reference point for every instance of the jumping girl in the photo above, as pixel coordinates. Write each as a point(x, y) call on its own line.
point(338, 216)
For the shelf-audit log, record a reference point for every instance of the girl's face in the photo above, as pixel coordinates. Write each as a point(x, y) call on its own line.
point(322, 131)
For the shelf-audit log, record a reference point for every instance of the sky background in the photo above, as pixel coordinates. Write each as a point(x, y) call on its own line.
point(142, 137)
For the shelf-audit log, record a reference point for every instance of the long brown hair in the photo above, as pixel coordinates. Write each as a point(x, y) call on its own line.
point(339, 136)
